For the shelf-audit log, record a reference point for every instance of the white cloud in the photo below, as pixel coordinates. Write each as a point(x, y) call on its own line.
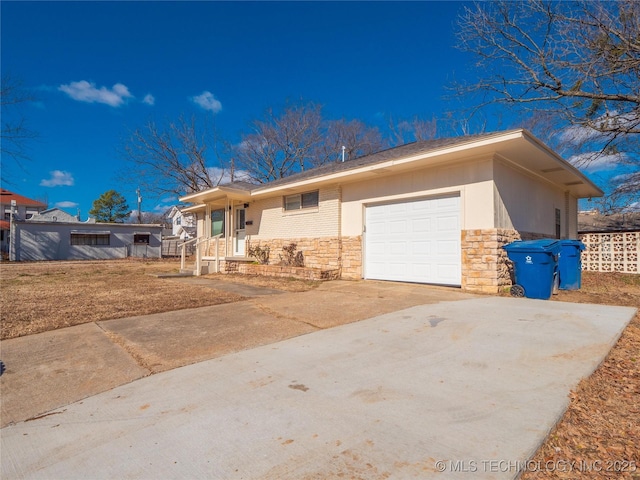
point(577, 135)
point(224, 176)
point(207, 101)
point(605, 127)
point(595, 161)
point(149, 99)
point(84, 91)
point(66, 204)
point(58, 179)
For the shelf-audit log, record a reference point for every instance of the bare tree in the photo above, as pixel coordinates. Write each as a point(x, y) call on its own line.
point(357, 139)
point(154, 218)
point(574, 63)
point(300, 138)
point(173, 158)
point(412, 130)
point(280, 144)
point(16, 134)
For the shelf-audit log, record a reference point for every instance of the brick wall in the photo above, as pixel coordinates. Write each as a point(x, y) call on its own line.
point(270, 220)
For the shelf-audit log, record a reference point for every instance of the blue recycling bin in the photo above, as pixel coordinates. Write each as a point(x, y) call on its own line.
point(570, 264)
point(536, 267)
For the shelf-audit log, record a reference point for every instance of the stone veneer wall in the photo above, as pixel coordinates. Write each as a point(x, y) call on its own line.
point(486, 268)
point(352, 257)
point(222, 249)
point(325, 253)
point(305, 273)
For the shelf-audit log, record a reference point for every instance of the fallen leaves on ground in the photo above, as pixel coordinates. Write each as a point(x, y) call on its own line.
point(599, 435)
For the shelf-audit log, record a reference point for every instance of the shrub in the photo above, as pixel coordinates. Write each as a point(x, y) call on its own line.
point(260, 254)
point(291, 258)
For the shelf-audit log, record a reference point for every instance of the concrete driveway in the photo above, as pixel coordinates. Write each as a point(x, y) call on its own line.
point(455, 389)
point(56, 368)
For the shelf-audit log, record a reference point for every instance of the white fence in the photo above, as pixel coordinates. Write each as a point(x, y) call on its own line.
point(611, 252)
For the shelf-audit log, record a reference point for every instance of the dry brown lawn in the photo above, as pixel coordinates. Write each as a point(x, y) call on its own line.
point(40, 296)
point(600, 430)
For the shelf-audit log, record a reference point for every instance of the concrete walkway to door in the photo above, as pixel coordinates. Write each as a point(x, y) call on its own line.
point(455, 389)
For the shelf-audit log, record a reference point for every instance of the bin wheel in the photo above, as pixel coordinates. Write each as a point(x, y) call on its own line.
point(517, 291)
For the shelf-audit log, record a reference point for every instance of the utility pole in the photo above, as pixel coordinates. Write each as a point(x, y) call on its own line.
point(12, 230)
point(139, 206)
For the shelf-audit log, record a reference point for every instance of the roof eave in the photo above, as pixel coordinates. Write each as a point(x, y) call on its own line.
point(394, 165)
point(216, 193)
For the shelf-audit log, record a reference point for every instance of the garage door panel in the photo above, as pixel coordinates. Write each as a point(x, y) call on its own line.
point(446, 203)
point(416, 241)
point(397, 247)
point(377, 227)
point(449, 273)
point(421, 247)
point(448, 223)
point(421, 225)
point(449, 247)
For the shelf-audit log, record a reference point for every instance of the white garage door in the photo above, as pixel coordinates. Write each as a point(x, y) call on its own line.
point(416, 241)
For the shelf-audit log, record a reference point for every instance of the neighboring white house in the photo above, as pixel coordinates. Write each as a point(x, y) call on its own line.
point(183, 225)
point(436, 211)
point(55, 235)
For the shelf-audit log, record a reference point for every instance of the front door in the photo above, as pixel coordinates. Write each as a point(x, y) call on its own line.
point(239, 232)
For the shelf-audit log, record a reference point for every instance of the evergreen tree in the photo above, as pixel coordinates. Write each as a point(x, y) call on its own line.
point(111, 207)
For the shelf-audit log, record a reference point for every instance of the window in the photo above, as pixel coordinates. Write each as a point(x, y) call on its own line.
point(217, 222)
point(558, 216)
point(301, 200)
point(141, 238)
point(90, 239)
point(240, 219)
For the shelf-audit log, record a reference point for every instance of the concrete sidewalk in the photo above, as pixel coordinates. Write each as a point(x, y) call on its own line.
point(457, 389)
point(49, 370)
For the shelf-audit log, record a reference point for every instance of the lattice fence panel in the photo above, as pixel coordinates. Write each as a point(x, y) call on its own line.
point(611, 252)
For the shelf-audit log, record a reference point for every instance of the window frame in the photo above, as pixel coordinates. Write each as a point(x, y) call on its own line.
point(299, 199)
point(90, 239)
point(222, 225)
point(138, 238)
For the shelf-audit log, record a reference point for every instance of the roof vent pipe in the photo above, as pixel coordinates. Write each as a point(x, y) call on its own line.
point(343, 149)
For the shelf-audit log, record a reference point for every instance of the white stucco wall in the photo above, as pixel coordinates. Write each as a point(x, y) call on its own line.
point(473, 181)
point(528, 204)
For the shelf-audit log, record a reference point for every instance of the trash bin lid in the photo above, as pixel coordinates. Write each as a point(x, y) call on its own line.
point(543, 245)
point(567, 242)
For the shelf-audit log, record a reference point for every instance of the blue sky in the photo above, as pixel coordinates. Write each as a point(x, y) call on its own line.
point(101, 69)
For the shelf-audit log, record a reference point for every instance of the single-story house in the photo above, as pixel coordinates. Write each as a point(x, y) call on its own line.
point(19, 206)
point(435, 211)
point(55, 235)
